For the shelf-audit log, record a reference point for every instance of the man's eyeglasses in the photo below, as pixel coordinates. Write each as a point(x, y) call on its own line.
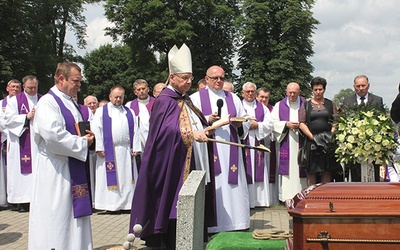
point(186, 78)
point(249, 91)
point(215, 78)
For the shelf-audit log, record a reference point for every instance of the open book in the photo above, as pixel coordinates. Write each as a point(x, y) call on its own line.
point(219, 123)
point(242, 118)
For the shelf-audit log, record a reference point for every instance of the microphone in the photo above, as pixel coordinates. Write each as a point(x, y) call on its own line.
point(220, 103)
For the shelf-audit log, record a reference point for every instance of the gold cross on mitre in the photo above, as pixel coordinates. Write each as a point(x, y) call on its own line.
point(234, 168)
point(25, 158)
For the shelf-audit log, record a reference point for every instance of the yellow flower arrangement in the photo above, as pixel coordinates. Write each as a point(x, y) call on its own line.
point(364, 134)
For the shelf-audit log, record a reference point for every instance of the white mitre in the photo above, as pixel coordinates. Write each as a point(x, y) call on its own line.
point(180, 60)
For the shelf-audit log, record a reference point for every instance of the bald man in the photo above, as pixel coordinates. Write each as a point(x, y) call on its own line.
point(285, 115)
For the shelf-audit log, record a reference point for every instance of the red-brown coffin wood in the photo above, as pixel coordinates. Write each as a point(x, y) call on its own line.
point(347, 216)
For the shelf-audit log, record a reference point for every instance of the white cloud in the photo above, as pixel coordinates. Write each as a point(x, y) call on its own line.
point(358, 37)
point(354, 37)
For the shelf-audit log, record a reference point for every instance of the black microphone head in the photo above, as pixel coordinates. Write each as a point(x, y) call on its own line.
point(220, 103)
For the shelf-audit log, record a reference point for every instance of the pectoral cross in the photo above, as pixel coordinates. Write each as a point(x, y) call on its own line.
point(25, 158)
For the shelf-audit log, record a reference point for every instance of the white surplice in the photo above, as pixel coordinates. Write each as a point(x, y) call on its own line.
point(121, 198)
point(3, 172)
point(291, 184)
point(144, 119)
point(232, 200)
point(259, 192)
point(51, 218)
point(19, 186)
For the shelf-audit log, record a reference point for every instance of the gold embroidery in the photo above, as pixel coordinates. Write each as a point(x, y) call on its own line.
point(187, 136)
point(234, 168)
point(80, 191)
point(215, 158)
point(25, 158)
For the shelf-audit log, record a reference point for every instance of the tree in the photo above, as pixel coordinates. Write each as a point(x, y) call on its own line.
point(341, 95)
point(153, 26)
point(32, 40)
point(275, 44)
point(106, 67)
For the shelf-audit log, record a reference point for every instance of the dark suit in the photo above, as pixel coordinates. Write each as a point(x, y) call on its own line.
point(377, 102)
point(374, 100)
point(395, 110)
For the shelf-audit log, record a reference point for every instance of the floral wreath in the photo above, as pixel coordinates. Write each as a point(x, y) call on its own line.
point(364, 134)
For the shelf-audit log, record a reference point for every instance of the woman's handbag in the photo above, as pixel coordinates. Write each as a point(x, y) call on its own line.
point(302, 157)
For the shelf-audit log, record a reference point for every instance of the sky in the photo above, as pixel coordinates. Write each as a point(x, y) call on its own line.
point(354, 37)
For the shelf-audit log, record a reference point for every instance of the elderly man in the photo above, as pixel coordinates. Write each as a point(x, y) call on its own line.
point(22, 151)
point(257, 167)
point(263, 95)
point(142, 106)
point(91, 102)
point(176, 125)
point(158, 88)
point(230, 175)
point(60, 205)
point(117, 141)
point(13, 88)
point(286, 126)
point(228, 86)
point(362, 96)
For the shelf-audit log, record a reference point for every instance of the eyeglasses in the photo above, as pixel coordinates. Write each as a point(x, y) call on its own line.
point(249, 91)
point(215, 78)
point(186, 78)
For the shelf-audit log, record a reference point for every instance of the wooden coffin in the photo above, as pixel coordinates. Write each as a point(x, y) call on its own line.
point(347, 216)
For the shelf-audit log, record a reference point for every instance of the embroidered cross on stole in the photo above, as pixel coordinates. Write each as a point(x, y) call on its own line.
point(187, 136)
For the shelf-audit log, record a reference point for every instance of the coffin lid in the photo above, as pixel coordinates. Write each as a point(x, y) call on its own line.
point(347, 199)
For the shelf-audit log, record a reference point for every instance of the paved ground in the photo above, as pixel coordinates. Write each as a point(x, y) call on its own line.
point(111, 229)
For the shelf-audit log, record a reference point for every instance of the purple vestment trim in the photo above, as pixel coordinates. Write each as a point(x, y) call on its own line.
point(4, 102)
point(81, 203)
point(135, 105)
point(234, 151)
point(259, 156)
point(206, 110)
point(284, 114)
point(25, 152)
point(111, 171)
point(84, 111)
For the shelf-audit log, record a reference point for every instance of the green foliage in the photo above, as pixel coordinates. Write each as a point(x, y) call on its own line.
point(154, 26)
point(276, 43)
point(32, 40)
point(343, 93)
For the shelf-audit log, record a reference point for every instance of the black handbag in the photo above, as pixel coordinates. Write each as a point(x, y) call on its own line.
point(302, 157)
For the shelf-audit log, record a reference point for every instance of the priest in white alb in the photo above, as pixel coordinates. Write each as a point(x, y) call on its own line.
point(232, 196)
point(257, 168)
point(60, 208)
point(117, 142)
point(22, 150)
point(286, 126)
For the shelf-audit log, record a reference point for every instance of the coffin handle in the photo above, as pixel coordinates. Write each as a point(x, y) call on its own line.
point(324, 238)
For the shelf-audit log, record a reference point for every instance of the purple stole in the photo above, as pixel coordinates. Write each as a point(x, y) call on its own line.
point(284, 156)
point(25, 139)
point(81, 204)
point(84, 111)
point(111, 171)
point(272, 157)
point(259, 155)
point(135, 105)
point(234, 150)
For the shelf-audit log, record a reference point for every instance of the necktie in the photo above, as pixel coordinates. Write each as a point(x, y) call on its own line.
point(362, 100)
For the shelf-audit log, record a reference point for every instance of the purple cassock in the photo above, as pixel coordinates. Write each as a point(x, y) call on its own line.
point(161, 174)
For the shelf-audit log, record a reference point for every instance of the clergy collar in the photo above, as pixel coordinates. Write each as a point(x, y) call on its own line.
point(144, 101)
point(250, 103)
point(30, 96)
point(172, 88)
point(220, 93)
point(288, 102)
